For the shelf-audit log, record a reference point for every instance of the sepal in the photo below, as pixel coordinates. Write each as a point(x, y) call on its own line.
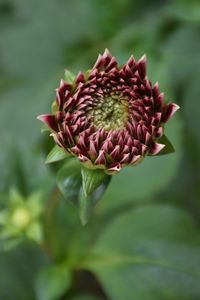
point(56, 154)
point(169, 148)
point(81, 186)
point(69, 77)
point(94, 183)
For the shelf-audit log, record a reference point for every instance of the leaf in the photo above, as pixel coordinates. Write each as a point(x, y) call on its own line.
point(168, 146)
point(81, 186)
point(94, 183)
point(20, 266)
point(85, 297)
point(69, 180)
point(52, 282)
point(150, 253)
point(56, 154)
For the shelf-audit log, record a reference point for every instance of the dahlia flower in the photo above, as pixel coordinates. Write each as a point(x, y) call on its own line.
point(110, 116)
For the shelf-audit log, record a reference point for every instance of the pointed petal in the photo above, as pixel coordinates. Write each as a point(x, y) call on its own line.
point(114, 169)
point(156, 90)
point(107, 54)
point(142, 66)
point(49, 120)
point(99, 62)
point(80, 77)
point(101, 160)
point(131, 61)
point(156, 148)
point(169, 111)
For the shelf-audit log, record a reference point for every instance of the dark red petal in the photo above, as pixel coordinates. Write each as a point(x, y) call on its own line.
point(156, 90)
point(49, 120)
point(98, 63)
point(169, 111)
point(114, 169)
point(92, 150)
point(80, 77)
point(134, 159)
point(125, 159)
point(159, 100)
point(101, 160)
point(156, 148)
point(131, 62)
point(142, 63)
point(115, 153)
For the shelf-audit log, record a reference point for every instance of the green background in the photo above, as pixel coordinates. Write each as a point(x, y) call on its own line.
point(143, 239)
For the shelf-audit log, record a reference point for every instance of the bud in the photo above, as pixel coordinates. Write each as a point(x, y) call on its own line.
point(110, 116)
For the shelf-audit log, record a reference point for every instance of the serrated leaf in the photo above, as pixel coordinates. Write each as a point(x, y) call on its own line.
point(56, 154)
point(94, 183)
point(69, 77)
point(169, 148)
point(81, 186)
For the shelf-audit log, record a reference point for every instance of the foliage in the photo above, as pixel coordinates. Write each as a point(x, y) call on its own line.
point(143, 240)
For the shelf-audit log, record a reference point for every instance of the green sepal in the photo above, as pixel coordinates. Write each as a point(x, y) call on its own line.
point(69, 180)
point(94, 183)
point(54, 107)
point(81, 186)
point(56, 154)
point(44, 128)
point(169, 148)
point(69, 77)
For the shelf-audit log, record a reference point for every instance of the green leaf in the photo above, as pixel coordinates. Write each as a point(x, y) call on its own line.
point(94, 183)
point(20, 266)
point(69, 77)
point(168, 146)
point(81, 186)
point(56, 154)
point(151, 253)
point(69, 181)
point(52, 282)
point(85, 297)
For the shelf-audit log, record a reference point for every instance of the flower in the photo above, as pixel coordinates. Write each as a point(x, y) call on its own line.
point(21, 218)
point(110, 116)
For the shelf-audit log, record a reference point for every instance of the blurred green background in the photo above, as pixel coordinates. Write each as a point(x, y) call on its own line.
point(143, 240)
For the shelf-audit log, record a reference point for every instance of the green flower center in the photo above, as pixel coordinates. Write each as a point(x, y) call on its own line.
point(21, 218)
point(110, 113)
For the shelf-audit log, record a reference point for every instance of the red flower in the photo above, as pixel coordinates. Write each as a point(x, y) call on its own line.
point(110, 116)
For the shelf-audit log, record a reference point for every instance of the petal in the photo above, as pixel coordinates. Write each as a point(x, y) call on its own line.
point(156, 90)
point(159, 100)
point(131, 62)
point(135, 159)
point(114, 169)
point(156, 148)
point(142, 63)
point(169, 111)
point(49, 120)
point(101, 160)
point(80, 77)
point(98, 63)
